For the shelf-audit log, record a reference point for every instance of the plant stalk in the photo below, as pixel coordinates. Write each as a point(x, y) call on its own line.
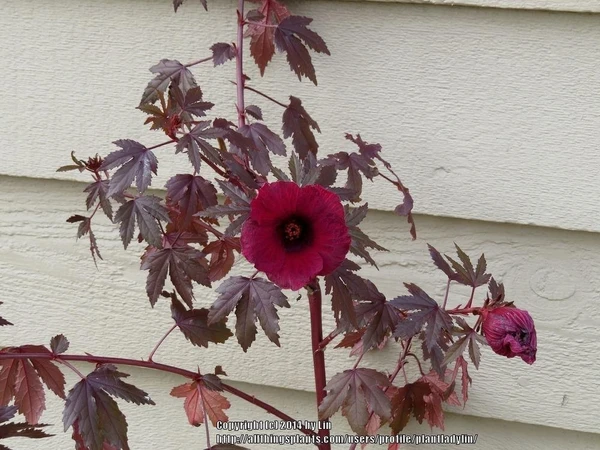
point(316, 333)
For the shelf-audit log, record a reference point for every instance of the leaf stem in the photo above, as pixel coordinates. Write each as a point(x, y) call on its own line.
point(154, 366)
point(160, 145)
point(160, 342)
point(73, 368)
point(206, 427)
point(209, 58)
point(248, 88)
point(316, 334)
point(464, 311)
point(468, 305)
point(447, 292)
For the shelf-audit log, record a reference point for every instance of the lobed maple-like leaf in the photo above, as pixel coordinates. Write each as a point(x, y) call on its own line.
point(222, 52)
point(95, 417)
point(222, 256)
point(360, 241)
point(22, 379)
point(264, 141)
point(183, 264)
point(355, 391)
point(466, 273)
point(191, 194)
point(188, 104)
point(195, 327)
point(355, 164)
point(167, 71)
point(98, 190)
point(239, 205)
point(293, 37)
point(370, 153)
point(200, 400)
point(195, 144)
point(426, 313)
point(381, 317)
point(345, 287)
point(299, 125)
point(146, 211)
point(261, 31)
point(85, 227)
point(135, 162)
point(409, 400)
point(441, 263)
point(251, 298)
point(469, 338)
point(10, 430)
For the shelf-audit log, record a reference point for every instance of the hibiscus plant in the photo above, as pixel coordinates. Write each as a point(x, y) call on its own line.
point(297, 227)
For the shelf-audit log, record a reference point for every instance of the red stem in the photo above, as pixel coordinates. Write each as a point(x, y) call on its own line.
point(155, 366)
point(330, 337)
point(464, 311)
point(239, 65)
point(161, 339)
point(248, 88)
point(316, 334)
point(447, 292)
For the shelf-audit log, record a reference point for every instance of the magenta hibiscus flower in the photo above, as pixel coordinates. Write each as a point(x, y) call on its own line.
point(295, 233)
point(510, 332)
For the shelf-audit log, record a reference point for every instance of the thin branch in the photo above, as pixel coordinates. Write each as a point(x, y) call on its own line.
point(239, 65)
point(316, 334)
point(154, 366)
point(161, 341)
point(330, 337)
point(248, 88)
point(418, 362)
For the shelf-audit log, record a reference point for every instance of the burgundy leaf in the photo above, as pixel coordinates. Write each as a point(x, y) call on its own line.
point(135, 162)
point(360, 241)
point(409, 400)
point(264, 140)
point(167, 71)
point(192, 194)
point(297, 124)
point(345, 287)
point(198, 400)
point(29, 392)
point(189, 104)
point(251, 298)
point(441, 263)
point(51, 375)
point(194, 326)
point(222, 257)
point(468, 338)
point(99, 190)
point(183, 264)
point(9, 430)
point(380, 316)
point(222, 52)
point(97, 422)
point(465, 273)
point(108, 378)
point(262, 48)
point(59, 344)
point(355, 391)
point(292, 37)
point(146, 211)
point(7, 413)
point(195, 143)
point(254, 111)
point(427, 313)
point(465, 379)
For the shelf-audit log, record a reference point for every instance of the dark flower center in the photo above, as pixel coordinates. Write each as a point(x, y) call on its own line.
point(296, 233)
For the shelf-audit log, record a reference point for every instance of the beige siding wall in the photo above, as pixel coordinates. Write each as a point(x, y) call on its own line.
point(489, 115)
